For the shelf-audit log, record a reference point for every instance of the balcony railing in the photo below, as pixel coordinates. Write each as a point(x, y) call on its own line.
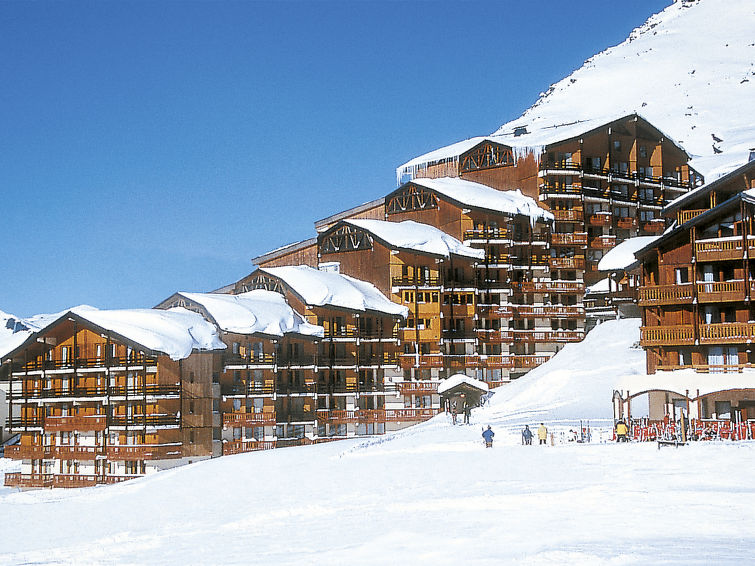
point(425, 361)
point(151, 390)
point(458, 334)
point(241, 446)
point(402, 415)
point(727, 333)
point(563, 165)
point(549, 287)
point(463, 360)
point(248, 419)
point(603, 242)
point(144, 452)
point(17, 479)
point(574, 215)
point(666, 294)
point(550, 311)
point(252, 388)
point(340, 416)
point(549, 335)
point(415, 282)
point(683, 216)
point(145, 420)
point(27, 452)
point(95, 362)
point(495, 336)
point(554, 189)
point(721, 291)
point(626, 223)
point(573, 239)
point(567, 263)
point(417, 387)
point(487, 234)
point(76, 422)
point(600, 219)
point(667, 335)
point(296, 361)
point(528, 361)
point(264, 359)
point(722, 249)
point(654, 226)
point(495, 311)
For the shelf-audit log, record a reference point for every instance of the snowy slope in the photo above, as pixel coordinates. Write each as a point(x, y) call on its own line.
point(690, 70)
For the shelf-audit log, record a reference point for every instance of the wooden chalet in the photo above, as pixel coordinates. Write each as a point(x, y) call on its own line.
point(603, 181)
point(697, 313)
point(356, 386)
point(267, 380)
point(96, 398)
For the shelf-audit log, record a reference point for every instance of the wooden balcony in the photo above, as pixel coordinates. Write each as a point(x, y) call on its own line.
point(603, 242)
point(721, 291)
point(654, 226)
point(74, 480)
point(560, 287)
point(26, 452)
point(721, 249)
point(547, 336)
point(529, 361)
point(727, 333)
point(151, 390)
point(497, 362)
point(495, 311)
point(567, 262)
point(572, 239)
point(683, 216)
point(626, 223)
point(235, 420)
point(463, 361)
point(340, 416)
point(404, 415)
point(667, 335)
point(17, 479)
point(144, 452)
point(487, 234)
point(574, 215)
point(425, 361)
point(77, 452)
point(239, 361)
point(495, 336)
point(71, 423)
point(95, 362)
point(417, 282)
point(600, 219)
point(550, 311)
point(242, 446)
point(666, 295)
point(417, 387)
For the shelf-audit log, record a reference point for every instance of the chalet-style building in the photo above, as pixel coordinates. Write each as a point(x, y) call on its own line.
point(603, 180)
point(105, 396)
point(357, 387)
point(267, 376)
point(696, 300)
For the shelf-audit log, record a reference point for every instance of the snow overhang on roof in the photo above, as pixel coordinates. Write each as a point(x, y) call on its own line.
point(483, 197)
point(174, 332)
point(416, 237)
point(459, 379)
point(254, 312)
point(622, 256)
point(331, 289)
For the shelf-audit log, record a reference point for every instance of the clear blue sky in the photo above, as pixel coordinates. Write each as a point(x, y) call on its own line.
point(150, 147)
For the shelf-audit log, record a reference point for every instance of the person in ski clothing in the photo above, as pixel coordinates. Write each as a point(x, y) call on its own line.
point(527, 435)
point(453, 413)
point(621, 431)
point(542, 433)
point(488, 435)
point(467, 412)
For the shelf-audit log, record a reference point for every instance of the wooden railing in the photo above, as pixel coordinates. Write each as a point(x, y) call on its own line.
point(415, 282)
point(425, 360)
point(144, 452)
point(548, 311)
point(417, 387)
point(683, 216)
point(487, 234)
point(71, 423)
point(575, 238)
point(727, 332)
point(264, 359)
point(600, 219)
point(495, 311)
point(514, 361)
point(26, 452)
point(401, 415)
point(95, 362)
point(666, 294)
point(495, 336)
point(549, 335)
point(549, 286)
point(248, 419)
point(721, 249)
point(667, 335)
point(603, 242)
point(568, 215)
point(17, 479)
point(721, 291)
point(151, 390)
point(74, 480)
point(241, 446)
point(626, 223)
point(463, 361)
point(527, 362)
point(77, 452)
point(567, 262)
point(654, 226)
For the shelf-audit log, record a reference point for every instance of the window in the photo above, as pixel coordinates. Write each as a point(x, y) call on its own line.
point(681, 275)
point(617, 145)
point(643, 151)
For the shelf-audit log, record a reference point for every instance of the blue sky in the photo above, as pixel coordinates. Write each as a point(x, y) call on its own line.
point(150, 147)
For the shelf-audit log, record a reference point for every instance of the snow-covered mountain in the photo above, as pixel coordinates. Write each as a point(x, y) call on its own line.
point(690, 70)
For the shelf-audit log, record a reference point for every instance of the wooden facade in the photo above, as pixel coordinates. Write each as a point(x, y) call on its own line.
point(93, 407)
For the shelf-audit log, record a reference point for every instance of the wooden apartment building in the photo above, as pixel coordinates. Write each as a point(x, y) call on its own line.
point(105, 396)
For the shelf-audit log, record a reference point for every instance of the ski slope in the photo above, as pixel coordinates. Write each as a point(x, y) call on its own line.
point(430, 494)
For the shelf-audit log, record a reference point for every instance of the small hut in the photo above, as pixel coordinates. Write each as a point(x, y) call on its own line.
point(461, 389)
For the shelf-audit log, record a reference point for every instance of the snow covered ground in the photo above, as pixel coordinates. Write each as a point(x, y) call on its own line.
point(431, 494)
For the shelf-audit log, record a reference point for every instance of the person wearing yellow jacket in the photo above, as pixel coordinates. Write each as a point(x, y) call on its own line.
point(542, 433)
point(621, 431)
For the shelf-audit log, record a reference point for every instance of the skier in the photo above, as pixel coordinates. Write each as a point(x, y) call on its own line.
point(453, 412)
point(467, 412)
point(527, 435)
point(542, 434)
point(488, 436)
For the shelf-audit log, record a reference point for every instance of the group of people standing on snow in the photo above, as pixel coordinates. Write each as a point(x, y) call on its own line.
point(542, 435)
point(466, 409)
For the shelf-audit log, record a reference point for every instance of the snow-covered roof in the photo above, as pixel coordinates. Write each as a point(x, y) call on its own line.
point(259, 311)
point(458, 379)
point(174, 332)
point(284, 250)
point(410, 235)
point(13, 333)
point(622, 256)
point(328, 288)
point(601, 287)
point(477, 195)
